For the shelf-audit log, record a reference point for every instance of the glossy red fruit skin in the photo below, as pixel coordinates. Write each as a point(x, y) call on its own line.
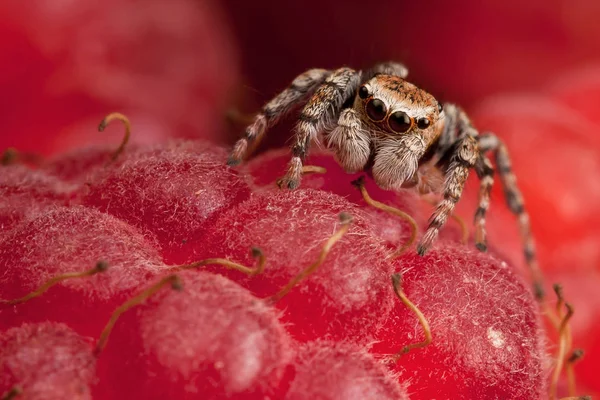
point(347, 291)
point(212, 338)
point(486, 329)
point(46, 361)
point(141, 63)
point(336, 370)
point(579, 89)
point(67, 240)
point(169, 191)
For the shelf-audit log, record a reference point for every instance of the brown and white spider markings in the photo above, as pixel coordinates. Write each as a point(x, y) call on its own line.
point(377, 121)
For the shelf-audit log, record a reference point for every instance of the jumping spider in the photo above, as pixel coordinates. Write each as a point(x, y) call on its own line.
point(377, 121)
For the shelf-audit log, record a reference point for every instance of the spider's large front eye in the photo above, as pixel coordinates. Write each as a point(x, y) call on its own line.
point(363, 92)
point(399, 122)
point(376, 110)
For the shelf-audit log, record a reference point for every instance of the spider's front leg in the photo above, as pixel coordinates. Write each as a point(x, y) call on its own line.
point(464, 155)
point(320, 111)
point(296, 94)
point(351, 141)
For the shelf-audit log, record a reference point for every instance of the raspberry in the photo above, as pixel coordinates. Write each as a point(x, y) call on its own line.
point(213, 337)
point(66, 240)
point(170, 192)
point(46, 361)
point(26, 193)
point(487, 340)
point(347, 291)
point(332, 370)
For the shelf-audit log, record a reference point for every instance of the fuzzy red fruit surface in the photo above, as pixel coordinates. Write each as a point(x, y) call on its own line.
point(211, 340)
point(170, 191)
point(79, 166)
point(267, 168)
point(487, 337)
point(348, 292)
point(46, 362)
point(66, 240)
point(331, 371)
point(25, 193)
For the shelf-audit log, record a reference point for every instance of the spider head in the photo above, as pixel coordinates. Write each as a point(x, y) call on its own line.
point(394, 106)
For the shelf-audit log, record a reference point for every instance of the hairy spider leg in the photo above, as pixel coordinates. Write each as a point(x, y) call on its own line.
point(281, 105)
point(387, 68)
point(485, 172)
point(514, 199)
point(319, 112)
point(351, 141)
point(463, 155)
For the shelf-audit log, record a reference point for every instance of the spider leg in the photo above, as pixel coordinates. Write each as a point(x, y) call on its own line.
point(387, 68)
point(485, 172)
point(514, 199)
point(351, 141)
point(295, 94)
point(463, 157)
point(319, 113)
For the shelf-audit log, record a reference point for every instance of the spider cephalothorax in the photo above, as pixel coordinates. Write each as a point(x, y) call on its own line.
point(377, 120)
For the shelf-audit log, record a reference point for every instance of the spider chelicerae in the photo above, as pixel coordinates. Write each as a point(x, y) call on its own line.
point(375, 120)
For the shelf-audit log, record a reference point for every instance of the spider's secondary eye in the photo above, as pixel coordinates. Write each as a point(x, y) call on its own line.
point(440, 107)
point(423, 123)
point(363, 92)
point(376, 110)
point(399, 122)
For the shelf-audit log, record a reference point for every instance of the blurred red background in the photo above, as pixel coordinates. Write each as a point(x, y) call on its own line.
point(528, 70)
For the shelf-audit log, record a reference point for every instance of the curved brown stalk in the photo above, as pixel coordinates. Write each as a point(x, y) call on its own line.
point(397, 283)
point(360, 184)
point(172, 280)
point(107, 120)
point(101, 266)
point(345, 221)
point(256, 253)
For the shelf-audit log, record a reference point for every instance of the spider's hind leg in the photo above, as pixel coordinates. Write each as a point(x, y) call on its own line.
point(295, 94)
point(485, 172)
point(388, 68)
point(514, 199)
point(319, 113)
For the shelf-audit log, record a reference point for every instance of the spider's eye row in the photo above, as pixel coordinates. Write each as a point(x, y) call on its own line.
point(363, 92)
point(399, 122)
point(376, 110)
point(423, 123)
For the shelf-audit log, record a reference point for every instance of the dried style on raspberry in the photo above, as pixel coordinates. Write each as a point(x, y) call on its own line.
point(350, 291)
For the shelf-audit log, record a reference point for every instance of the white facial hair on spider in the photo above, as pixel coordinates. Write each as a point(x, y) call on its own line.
point(397, 160)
